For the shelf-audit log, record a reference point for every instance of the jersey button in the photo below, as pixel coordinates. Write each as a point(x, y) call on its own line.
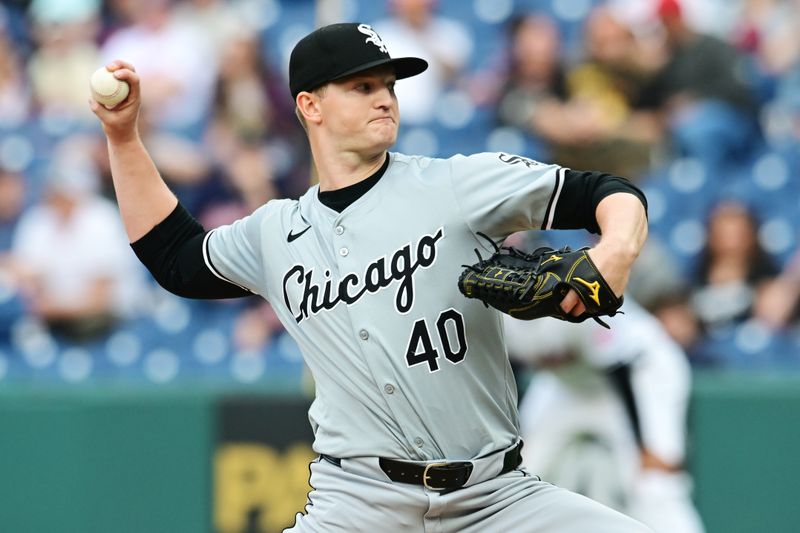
point(338, 230)
point(419, 442)
point(388, 388)
point(343, 252)
point(363, 334)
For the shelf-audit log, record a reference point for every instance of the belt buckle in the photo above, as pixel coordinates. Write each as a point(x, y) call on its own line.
point(426, 477)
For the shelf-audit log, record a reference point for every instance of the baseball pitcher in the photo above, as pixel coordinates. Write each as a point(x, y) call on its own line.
point(415, 417)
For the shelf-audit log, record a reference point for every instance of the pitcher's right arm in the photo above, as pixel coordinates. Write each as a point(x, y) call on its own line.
point(165, 237)
point(143, 197)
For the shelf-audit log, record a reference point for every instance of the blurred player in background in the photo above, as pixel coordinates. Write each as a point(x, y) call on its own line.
point(605, 413)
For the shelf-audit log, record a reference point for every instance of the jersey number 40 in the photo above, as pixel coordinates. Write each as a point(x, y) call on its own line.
point(451, 337)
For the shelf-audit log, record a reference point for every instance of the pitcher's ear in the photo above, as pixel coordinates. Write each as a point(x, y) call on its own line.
point(308, 107)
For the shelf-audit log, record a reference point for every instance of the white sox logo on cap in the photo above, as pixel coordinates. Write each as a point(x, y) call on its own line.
point(336, 51)
point(372, 37)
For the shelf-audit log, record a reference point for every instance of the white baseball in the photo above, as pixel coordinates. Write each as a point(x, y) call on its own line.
point(106, 89)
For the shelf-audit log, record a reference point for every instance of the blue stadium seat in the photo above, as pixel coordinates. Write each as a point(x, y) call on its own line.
point(419, 140)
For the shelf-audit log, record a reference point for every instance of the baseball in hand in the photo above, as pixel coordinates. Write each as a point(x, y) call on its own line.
point(106, 89)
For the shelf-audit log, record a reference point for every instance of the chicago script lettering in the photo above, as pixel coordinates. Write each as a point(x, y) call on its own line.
point(325, 294)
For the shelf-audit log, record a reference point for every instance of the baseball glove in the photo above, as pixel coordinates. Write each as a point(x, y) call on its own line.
point(528, 286)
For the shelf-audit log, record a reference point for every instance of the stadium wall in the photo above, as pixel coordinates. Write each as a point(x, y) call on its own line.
point(205, 459)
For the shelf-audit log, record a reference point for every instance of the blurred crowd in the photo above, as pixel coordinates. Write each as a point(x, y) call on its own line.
point(702, 112)
point(697, 101)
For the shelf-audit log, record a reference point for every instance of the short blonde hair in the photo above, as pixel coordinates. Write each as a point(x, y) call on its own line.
point(301, 118)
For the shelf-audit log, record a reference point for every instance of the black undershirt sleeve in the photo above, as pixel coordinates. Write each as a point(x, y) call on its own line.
point(173, 253)
point(580, 195)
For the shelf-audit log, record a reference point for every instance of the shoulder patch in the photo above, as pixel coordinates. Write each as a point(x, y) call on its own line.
point(514, 159)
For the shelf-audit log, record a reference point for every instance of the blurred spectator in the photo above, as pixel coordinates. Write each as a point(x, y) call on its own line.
point(176, 64)
point(14, 94)
point(256, 326)
point(251, 107)
point(415, 30)
point(710, 111)
point(655, 274)
point(779, 304)
point(535, 87)
point(714, 17)
point(223, 131)
point(79, 275)
point(606, 129)
point(185, 164)
point(219, 21)
point(179, 69)
point(733, 268)
point(677, 316)
point(251, 101)
point(246, 184)
point(605, 413)
point(590, 118)
point(658, 284)
point(769, 29)
point(65, 56)
point(12, 202)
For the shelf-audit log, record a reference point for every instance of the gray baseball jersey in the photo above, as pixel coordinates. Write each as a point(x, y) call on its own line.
point(404, 365)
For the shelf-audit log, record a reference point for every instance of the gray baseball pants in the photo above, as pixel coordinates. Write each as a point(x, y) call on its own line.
point(358, 497)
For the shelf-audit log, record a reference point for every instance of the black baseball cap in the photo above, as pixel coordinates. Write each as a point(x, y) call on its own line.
point(338, 50)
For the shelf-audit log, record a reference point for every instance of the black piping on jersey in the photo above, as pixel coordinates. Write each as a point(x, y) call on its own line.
point(576, 195)
point(340, 199)
point(174, 253)
point(210, 264)
point(549, 214)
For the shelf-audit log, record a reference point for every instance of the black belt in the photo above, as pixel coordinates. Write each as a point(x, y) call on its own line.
point(437, 476)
